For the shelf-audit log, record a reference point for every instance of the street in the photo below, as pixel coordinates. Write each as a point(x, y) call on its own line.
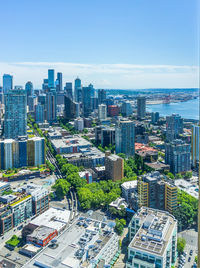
point(190, 237)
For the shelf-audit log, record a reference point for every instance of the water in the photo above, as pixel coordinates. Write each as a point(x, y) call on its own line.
point(187, 110)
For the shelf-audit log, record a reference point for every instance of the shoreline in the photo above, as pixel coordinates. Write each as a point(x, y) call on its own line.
point(154, 102)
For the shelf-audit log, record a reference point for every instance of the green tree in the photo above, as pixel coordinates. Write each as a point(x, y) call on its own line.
point(181, 245)
point(61, 188)
point(188, 174)
point(179, 176)
point(170, 175)
point(119, 227)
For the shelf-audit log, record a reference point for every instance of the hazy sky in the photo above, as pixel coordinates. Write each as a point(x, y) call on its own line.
point(110, 43)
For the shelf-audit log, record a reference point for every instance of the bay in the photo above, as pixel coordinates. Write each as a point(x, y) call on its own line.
point(188, 109)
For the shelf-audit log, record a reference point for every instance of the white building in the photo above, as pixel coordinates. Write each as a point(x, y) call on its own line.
point(79, 124)
point(153, 239)
point(102, 112)
point(8, 153)
point(128, 188)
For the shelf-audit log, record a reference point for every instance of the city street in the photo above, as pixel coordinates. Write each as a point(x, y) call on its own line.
point(190, 237)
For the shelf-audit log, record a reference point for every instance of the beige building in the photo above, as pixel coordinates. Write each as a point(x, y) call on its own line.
point(114, 167)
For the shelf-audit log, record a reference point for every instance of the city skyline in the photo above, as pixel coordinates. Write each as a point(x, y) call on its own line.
point(128, 45)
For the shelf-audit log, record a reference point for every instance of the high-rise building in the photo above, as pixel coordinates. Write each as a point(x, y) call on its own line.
point(59, 84)
point(39, 113)
point(126, 108)
point(79, 124)
point(102, 112)
point(45, 85)
point(29, 89)
point(155, 192)
point(141, 107)
point(78, 90)
point(36, 151)
point(42, 99)
point(70, 108)
point(114, 167)
point(32, 102)
point(7, 83)
point(51, 78)
point(113, 110)
point(15, 118)
point(125, 137)
point(154, 117)
point(107, 136)
point(195, 145)
point(86, 100)
point(51, 103)
point(68, 90)
point(153, 239)
point(174, 127)
point(22, 152)
point(21, 210)
point(177, 155)
point(101, 96)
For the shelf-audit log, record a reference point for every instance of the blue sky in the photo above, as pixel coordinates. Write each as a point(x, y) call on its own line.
point(112, 43)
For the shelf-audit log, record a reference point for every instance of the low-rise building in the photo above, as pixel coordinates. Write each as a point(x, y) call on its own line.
point(128, 188)
point(153, 239)
point(42, 235)
point(4, 186)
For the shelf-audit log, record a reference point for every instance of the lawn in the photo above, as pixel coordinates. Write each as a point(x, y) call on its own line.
point(13, 241)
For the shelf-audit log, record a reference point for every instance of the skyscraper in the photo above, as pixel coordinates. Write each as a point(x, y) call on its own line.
point(29, 89)
point(7, 83)
point(59, 85)
point(126, 108)
point(86, 100)
point(177, 155)
point(78, 90)
point(68, 90)
point(102, 112)
point(45, 85)
point(195, 145)
point(51, 78)
point(39, 113)
point(51, 103)
point(125, 137)
point(15, 119)
point(141, 107)
point(32, 101)
point(101, 96)
point(174, 126)
point(70, 108)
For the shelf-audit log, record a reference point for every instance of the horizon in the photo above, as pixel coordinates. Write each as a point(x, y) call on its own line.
point(132, 44)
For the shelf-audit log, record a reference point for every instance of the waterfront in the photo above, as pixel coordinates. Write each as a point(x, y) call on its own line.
point(188, 109)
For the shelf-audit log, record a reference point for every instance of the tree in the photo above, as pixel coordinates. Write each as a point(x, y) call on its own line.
point(179, 176)
point(170, 175)
point(181, 245)
point(61, 187)
point(188, 174)
point(119, 227)
point(76, 181)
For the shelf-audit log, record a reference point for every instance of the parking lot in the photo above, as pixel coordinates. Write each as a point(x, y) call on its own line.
point(190, 237)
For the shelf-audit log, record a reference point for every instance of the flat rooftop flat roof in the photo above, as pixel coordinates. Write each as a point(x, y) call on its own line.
point(53, 217)
point(156, 227)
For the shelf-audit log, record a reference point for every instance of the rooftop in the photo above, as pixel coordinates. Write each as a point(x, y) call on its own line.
point(53, 217)
point(42, 232)
point(156, 228)
point(129, 184)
